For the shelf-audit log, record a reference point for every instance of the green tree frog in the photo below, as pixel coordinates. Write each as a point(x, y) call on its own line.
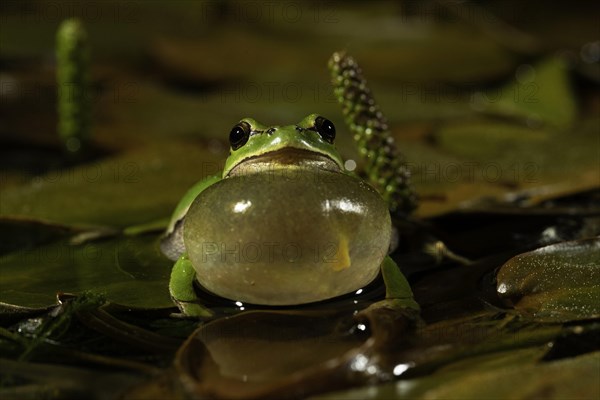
point(284, 224)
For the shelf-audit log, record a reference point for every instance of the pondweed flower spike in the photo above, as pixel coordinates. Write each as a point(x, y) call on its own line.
point(385, 167)
point(73, 85)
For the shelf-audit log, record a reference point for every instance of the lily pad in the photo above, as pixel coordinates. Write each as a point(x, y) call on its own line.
point(492, 158)
point(23, 234)
point(127, 270)
point(420, 52)
point(539, 93)
point(48, 380)
point(560, 282)
point(130, 189)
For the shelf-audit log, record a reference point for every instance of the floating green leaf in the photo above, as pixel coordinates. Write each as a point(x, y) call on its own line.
point(127, 270)
point(540, 93)
point(129, 189)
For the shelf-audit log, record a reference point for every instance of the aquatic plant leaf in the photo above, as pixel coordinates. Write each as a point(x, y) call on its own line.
point(50, 381)
point(129, 189)
point(504, 161)
point(502, 376)
point(26, 234)
point(127, 270)
point(560, 282)
point(539, 93)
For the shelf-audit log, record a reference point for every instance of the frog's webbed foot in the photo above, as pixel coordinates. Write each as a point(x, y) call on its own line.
point(398, 295)
point(405, 307)
point(391, 323)
point(191, 310)
point(393, 317)
point(181, 288)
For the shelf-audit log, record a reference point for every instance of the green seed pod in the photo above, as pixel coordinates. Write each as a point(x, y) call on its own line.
point(385, 168)
point(73, 85)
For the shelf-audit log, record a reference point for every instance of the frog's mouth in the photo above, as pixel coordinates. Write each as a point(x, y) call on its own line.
point(286, 157)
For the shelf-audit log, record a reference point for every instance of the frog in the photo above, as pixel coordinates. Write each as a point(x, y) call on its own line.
point(284, 224)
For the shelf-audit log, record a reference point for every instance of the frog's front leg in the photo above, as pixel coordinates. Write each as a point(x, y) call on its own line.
point(181, 288)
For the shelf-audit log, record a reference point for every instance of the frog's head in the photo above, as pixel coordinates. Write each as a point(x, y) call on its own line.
point(309, 142)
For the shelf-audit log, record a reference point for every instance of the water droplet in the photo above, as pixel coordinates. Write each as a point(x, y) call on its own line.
point(359, 363)
point(502, 288)
point(350, 165)
point(401, 368)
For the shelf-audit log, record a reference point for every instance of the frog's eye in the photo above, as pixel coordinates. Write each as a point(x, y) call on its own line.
point(325, 128)
point(239, 135)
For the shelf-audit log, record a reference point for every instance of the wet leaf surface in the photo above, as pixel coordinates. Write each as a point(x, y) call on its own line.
point(129, 270)
point(61, 382)
point(27, 234)
point(560, 282)
point(571, 378)
point(228, 362)
point(114, 192)
point(540, 93)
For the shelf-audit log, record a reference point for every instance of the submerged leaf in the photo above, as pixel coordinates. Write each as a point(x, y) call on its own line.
point(265, 354)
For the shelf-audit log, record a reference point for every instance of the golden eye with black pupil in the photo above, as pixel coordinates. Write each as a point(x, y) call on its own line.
point(239, 135)
point(325, 128)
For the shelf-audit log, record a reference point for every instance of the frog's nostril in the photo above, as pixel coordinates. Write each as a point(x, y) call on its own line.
point(271, 130)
